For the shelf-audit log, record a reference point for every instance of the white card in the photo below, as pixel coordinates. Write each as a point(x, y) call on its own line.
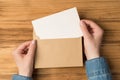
point(65, 24)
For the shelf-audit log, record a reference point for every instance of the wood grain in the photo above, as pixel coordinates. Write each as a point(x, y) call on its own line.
point(16, 27)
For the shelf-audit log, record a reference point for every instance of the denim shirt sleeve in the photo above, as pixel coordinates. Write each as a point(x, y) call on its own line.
point(19, 77)
point(98, 69)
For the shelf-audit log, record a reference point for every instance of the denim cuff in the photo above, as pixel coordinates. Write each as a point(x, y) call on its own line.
point(20, 77)
point(97, 67)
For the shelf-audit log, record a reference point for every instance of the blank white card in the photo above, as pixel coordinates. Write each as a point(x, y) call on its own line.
point(64, 24)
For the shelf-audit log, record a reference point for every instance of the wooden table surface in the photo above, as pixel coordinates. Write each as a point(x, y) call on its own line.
point(16, 27)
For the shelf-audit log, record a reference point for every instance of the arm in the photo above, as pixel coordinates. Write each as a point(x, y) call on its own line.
point(24, 58)
point(20, 77)
point(96, 66)
point(98, 69)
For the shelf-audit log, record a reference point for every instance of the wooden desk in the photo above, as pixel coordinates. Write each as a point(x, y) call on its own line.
point(16, 27)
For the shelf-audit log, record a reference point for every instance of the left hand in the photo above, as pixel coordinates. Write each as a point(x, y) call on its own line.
point(24, 58)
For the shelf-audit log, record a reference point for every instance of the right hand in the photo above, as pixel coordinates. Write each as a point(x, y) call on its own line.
point(92, 35)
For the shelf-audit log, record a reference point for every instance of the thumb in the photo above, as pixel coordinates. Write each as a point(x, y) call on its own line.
point(32, 48)
point(84, 29)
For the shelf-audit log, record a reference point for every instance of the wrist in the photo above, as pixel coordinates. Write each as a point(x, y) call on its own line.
point(89, 58)
point(93, 55)
point(25, 73)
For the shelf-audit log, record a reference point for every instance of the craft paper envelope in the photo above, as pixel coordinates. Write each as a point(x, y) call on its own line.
point(59, 40)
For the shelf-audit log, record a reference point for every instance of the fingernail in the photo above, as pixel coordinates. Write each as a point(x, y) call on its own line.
point(33, 41)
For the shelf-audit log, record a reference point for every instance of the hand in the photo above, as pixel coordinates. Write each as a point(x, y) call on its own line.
point(92, 35)
point(24, 58)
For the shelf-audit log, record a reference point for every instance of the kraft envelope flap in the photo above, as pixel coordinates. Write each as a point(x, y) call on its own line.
point(58, 52)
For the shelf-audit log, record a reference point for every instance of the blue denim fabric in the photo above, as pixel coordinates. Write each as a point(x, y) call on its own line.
point(97, 69)
point(20, 77)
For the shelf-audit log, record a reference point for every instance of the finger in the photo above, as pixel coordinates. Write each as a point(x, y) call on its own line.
point(84, 29)
point(98, 32)
point(94, 26)
point(32, 48)
point(22, 47)
point(18, 52)
point(91, 23)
